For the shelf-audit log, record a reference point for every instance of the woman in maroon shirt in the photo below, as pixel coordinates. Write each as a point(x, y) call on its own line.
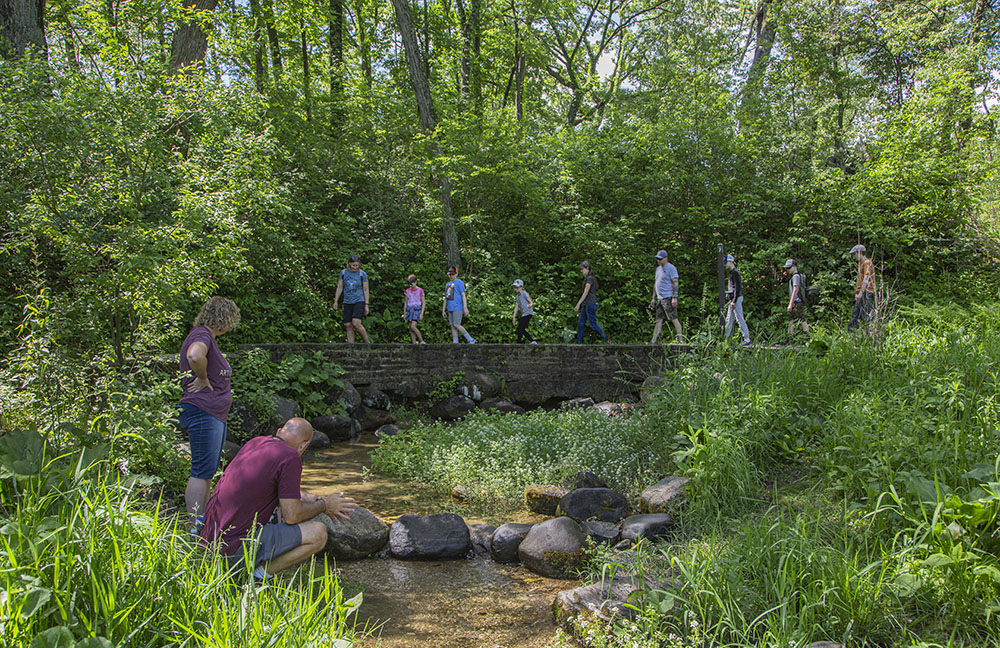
point(205, 376)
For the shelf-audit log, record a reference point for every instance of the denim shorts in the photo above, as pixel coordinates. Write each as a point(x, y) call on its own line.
point(206, 434)
point(413, 313)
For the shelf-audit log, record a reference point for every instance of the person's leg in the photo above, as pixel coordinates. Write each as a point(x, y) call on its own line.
point(729, 320)
point(868, 307)
point(519, 335)
point(195, 497)
point(855, 315)
point(206, 435)
point(580, 324)
point(592, 321)
point(356, 323)
point(313, 540)
point(741, 320)
point(413, 333)
point(349, 327)
point(454, 334)
point(526, 321)
point(420, 336)
point(677, 325)
point(657, 329)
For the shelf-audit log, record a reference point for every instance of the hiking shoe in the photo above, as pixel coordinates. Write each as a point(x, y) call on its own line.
point(195, 529)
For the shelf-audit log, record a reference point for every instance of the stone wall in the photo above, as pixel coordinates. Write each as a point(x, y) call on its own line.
point(532, 374)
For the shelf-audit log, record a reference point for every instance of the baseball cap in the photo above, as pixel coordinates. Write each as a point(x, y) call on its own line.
point(789, 263)
point(858, 248)
point(662, 254)
point(518, 283)
point(729, 257)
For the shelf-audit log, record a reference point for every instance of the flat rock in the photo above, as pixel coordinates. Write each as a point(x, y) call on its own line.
point(582, 402)
point(337, 428)
point(452, 408)
point(649, 525)
point(462, 493)
point(502, 406)
point(601, 504)
point(609, 408)
point(429, 537)
point(824, 644)
point(606, 600)
point(585, 479)
point(361, 535)
point(319, 441)
point(544, 499)
point(663, 495)
point(602, 533)
point(387, 430)
point(506, 540)
point(554, 548)
point(481, 536)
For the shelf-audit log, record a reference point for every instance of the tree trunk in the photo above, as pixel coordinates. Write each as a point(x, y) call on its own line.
point(267, 11)
point(364, 41)
point(190, 42)
point(22, 28)
point(306, 80)
point(425, 108)
point(336, 42)
point(259, 70)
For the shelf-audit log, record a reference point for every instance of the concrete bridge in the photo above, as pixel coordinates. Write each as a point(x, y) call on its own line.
point(531, 375)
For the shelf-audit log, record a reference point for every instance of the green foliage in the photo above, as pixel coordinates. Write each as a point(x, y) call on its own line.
point(445, 388)
point(90, 565)
point(308, 379)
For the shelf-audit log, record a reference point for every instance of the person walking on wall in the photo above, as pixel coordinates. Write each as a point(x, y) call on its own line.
point(796, 300)
point(456, 306)
point(353, 283)
point(735, 298)
point(204, 407)
point(524, 304)
point(864, 291)
point(665, 284)
point(587, 305)
point(413, 308)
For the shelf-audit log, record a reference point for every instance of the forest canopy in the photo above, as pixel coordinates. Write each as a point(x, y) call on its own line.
point(157, 152)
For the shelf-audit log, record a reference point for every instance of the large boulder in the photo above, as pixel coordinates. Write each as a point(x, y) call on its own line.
point(502, 406)
point(319, 441)
point(544, 499)
point(372, 419)
point(482, 538)
point(649, 525)
point(602, 533)
point(663, 495)
point(429, 537)
point(554, 548)
point(244, 424)
point(374, 398)
point(345, 394)
point(282, 409)
point(506, 540)
point(413, 386)
point(230, 450)
point(361, 535)
point(585, 479)
point(611, 598)
point(453, 408)
point(478, 385)
point(338, 428)
point(609, 408)
point(601, 504)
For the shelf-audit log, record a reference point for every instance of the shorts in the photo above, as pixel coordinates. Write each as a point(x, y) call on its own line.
point(355, 311)
point(798, 312)
point(413, 313)
point(665, 309)
point(455, 317)
point(268, 542)
point(206, 434)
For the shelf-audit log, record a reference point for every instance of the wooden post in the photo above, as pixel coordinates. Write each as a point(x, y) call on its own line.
point(722, 287)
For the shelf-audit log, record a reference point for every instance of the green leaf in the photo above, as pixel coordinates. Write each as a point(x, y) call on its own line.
point(937, 560)
point(33, 601)
point(58, 637)
point(94, 642)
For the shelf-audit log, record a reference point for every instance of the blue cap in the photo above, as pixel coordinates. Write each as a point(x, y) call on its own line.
point(518, 283)
point(729, 257)
point(662, 254)
point(789, 263)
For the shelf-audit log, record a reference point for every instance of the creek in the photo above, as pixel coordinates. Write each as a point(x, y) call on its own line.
point(472, 603)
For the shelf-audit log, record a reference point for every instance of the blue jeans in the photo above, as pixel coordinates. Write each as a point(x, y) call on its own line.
point(206, 435)
point(588, 316)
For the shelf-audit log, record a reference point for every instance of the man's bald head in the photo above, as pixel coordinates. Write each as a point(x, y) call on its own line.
point(296, 432)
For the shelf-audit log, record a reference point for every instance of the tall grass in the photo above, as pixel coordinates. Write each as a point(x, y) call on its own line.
point(84, 563)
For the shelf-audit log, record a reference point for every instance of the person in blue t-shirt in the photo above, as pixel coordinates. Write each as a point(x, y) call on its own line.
point(455, 306)
point(665, 292)
point(353, 283)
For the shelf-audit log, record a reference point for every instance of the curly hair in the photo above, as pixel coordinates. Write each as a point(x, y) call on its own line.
point(218, 313)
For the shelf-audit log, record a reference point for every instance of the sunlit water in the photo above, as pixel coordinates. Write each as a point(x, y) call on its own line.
point(472, 603)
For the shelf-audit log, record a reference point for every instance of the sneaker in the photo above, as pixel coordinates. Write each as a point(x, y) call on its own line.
point(423, 343)
point(195, 529)
point(472, 341)
point(745, 345)
point(261, 576)
point(533, 342)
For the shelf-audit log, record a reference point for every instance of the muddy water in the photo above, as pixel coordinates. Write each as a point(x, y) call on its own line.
point(473, 603)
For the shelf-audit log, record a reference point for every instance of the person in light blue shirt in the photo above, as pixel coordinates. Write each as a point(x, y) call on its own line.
point(665, 291)
point(353, 284)
point(455, 306)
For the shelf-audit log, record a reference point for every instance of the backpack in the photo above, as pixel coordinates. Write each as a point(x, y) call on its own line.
point(810, 293)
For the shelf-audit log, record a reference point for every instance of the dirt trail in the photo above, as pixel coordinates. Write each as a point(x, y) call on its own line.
point(473, 603)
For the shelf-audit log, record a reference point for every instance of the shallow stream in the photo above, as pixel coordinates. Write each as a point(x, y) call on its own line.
point(472, 603)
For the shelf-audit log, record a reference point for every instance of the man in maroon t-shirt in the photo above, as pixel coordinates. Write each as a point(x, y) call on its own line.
point(266, 474)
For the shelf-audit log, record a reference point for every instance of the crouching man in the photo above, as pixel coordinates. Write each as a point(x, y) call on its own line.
point(266, 474)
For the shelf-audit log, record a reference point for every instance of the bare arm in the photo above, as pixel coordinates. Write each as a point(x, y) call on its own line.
point(514, 316)
point(579, 302)
point(364, 287)
point(465, 304)
point(338, 507)
point(336, 295)
point(676, 283)
point(197, 357)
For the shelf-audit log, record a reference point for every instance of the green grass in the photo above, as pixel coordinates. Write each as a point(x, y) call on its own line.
point(85, 563)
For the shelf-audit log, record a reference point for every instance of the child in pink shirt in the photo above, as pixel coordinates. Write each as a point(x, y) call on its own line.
point(414, 308)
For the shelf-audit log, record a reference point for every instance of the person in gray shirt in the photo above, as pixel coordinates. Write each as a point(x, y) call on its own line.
point(735, 298)
point(524, 304)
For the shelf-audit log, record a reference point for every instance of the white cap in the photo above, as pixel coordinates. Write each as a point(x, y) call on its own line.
point(789, 263)
point(729, 257)
point(858, 248)
point(518, 283)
